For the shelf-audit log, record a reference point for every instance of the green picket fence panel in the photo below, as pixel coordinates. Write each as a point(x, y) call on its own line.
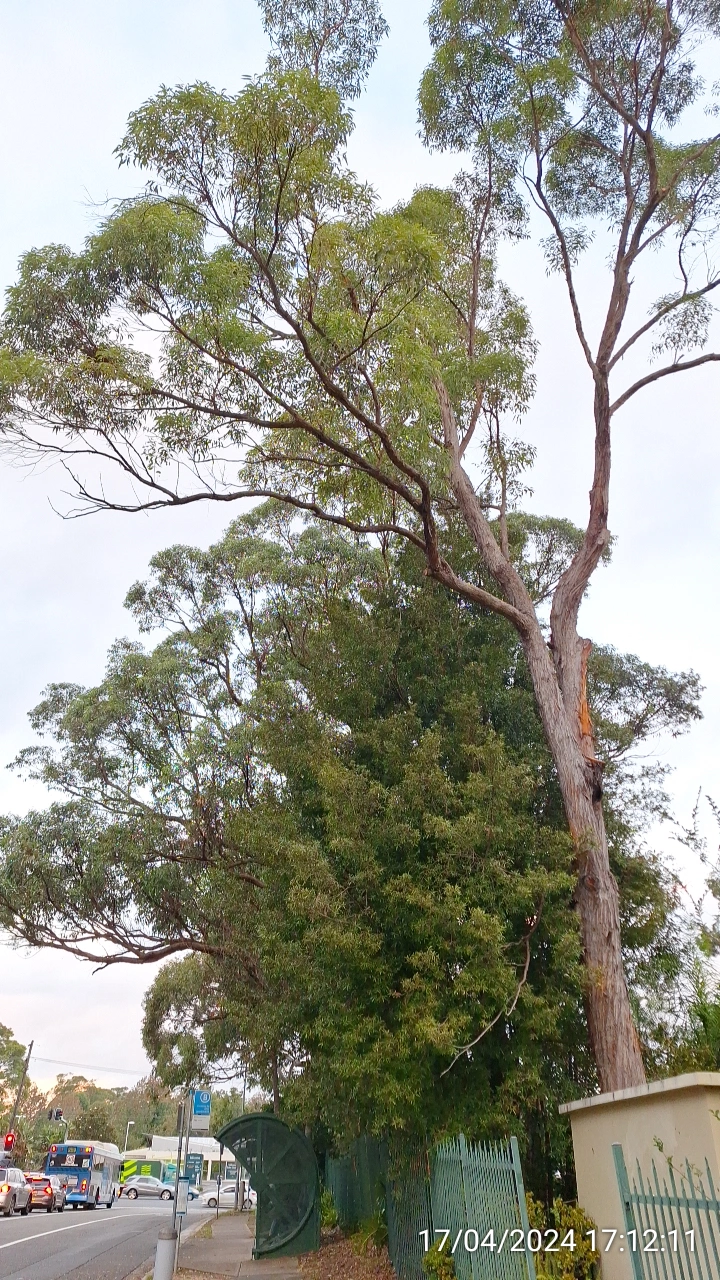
point(464, 1189)
point(476, 1189)
point(409, 1208)
point(675, 1219)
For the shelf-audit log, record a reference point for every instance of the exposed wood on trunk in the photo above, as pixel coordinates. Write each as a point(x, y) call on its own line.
point(560, 684)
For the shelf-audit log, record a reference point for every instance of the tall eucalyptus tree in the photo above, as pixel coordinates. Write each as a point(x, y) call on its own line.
point(364, 365)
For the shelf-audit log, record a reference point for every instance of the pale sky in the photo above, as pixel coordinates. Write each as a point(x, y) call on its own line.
point(69, 76)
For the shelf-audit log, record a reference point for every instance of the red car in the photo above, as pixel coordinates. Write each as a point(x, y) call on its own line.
point(47, 1192)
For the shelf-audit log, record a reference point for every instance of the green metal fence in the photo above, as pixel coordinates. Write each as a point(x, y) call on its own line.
point(357, 1181)
point(409, 1208)
point(458, 1190)
point(477, 1189)
point(672, 1222)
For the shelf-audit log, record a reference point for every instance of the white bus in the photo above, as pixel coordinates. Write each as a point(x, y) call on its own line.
point(91, 1170)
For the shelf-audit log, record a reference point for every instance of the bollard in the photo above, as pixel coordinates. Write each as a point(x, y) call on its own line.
point(165, 1255)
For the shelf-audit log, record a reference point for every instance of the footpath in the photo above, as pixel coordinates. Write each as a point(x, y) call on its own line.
point(227, 1251)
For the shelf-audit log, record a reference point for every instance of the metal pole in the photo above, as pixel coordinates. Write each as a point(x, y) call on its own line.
point(181, 1126)
point(237, 1166)
point(219, 1182)
point(191, 1093)
point(20, 1087)
point(130, 1124)
point(189, 1107)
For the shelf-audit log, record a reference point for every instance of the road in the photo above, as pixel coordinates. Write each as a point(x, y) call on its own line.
point(79, 1244)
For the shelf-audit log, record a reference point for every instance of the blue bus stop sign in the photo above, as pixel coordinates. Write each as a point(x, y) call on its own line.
point(201, 1109)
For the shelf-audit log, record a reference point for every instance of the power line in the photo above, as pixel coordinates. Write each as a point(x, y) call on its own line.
point(88, 1066)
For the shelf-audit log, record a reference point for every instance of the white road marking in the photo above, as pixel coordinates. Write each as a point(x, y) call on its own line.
point(40, 1235)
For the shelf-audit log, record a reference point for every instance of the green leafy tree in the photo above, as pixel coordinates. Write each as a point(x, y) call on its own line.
point(149, 1104)
point(366, 365)
point(12, 1061)
point(336, 39)
point(364, 855)
point(96, 1124)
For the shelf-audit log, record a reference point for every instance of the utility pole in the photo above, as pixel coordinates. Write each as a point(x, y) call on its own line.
point(16, 1108)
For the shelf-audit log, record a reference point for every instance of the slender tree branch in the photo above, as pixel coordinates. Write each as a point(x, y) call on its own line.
point(466, 1048)
point(678, 367)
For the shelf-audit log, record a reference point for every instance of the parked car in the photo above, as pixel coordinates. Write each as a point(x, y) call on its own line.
point(46, 1191)
point(145, 1185)
point(15, 1192)
point(227, 1196)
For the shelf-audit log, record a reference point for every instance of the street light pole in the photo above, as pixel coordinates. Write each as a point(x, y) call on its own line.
point(130, 1124)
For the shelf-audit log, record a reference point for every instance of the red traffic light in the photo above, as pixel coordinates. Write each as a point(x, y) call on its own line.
point(9, 1142)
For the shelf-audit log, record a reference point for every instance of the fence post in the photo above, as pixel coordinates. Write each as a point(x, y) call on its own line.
point(468, 1210)
point(520, 1189)
point(627, 1207)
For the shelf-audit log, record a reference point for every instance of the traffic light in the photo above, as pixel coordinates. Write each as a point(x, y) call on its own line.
point(9, 1143)
point(55, 1113)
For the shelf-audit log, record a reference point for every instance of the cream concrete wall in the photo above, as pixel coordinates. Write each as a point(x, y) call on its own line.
point(677, 1113)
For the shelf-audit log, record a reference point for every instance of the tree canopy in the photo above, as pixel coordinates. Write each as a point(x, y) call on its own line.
point(356, 852)
point(256, 325)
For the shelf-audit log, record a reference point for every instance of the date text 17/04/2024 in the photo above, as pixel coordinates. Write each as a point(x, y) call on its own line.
point(548, 1241)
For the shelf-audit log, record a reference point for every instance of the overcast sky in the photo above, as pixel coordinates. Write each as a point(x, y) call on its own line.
point(69, 76)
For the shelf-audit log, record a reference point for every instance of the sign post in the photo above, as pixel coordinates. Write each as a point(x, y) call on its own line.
point(219, 1182)
point(182, 1200)
point(177, 1168)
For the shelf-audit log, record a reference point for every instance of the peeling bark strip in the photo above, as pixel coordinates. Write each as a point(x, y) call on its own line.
point(586, 730)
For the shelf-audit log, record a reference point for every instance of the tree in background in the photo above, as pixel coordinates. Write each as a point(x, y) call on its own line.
point(12, 1060)
point(149, 1104)
point(336, 39)
point(96, 1124)
point(367, 366)
point(364, 855)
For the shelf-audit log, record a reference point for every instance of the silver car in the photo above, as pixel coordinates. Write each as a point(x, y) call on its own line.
point(247, 1198)
point(146, 1186)
point(15, 1192)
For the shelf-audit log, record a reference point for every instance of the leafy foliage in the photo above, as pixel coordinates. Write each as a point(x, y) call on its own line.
point(582, 1262)
point(336, 39)
point(438, 1263)
point(356, 852)
point(12, 1058)
point(97, 1124)
point(365, 366)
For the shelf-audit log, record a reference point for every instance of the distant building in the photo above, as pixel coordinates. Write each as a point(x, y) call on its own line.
point(165, 1149)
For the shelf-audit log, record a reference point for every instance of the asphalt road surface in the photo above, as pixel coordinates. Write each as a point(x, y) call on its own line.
point(82, 1244)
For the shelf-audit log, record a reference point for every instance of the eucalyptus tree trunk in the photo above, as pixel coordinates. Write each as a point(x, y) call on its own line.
point(559, 675)
point(559, 681)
